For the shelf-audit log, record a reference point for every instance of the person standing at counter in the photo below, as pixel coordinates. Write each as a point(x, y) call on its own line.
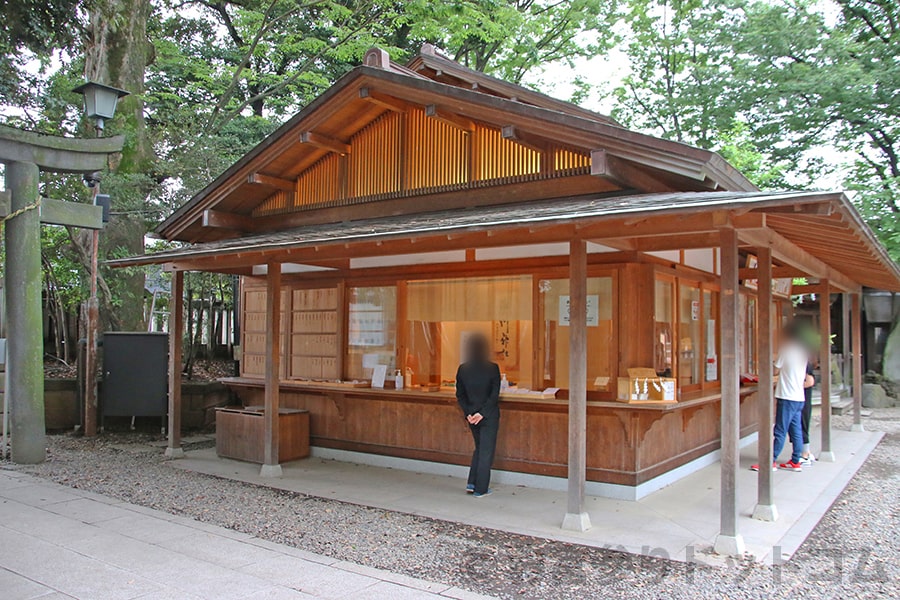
point(478, 394)
point(792, 362)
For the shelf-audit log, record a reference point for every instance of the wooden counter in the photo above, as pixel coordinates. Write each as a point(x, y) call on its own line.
point(240, 433)
point(628, 444)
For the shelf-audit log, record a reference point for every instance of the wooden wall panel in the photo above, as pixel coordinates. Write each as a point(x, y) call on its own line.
point(625, 445)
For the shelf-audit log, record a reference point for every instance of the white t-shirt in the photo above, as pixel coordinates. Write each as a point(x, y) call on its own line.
point(791, 362)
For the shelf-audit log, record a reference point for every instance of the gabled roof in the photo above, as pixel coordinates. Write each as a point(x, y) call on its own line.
point(347, 107)
point(437, 67)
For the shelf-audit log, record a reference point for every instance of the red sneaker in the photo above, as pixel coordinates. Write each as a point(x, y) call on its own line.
point(756, 467)
point(791, 466)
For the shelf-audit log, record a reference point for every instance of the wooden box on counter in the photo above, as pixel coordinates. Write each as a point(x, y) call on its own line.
point(644, 385)
point(240, 433)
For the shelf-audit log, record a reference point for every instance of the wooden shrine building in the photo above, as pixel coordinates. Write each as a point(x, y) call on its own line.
point(409, 206)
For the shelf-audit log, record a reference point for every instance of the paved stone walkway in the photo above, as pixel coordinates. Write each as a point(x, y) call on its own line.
point(59, 542)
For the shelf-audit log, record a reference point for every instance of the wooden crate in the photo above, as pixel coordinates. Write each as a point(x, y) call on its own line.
point(240, 434)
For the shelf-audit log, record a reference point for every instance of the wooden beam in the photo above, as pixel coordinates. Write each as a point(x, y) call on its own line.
point(625, 174)
point(285, 185)
point(383, 100)
point(176, 333)
point(815, 288)
point(324, 142)
point(857, 375)
point(729, 542)
point(224, 220)
point(5, 200)
point(530, 141)
point(777, 273)
point(688, 241)
point(765, 498)
point(576, 518)
point(824, 209)
point(563, 188)
point(449, 118)
point(791, 254)
point(271, 466)
point(825, 453)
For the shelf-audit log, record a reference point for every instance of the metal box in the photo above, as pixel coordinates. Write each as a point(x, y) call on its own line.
point(135, 375)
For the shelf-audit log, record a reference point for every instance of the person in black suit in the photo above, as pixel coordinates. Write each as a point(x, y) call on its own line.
point(478, 394)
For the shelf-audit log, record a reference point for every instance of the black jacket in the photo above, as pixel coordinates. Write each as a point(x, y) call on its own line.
point(478, 389)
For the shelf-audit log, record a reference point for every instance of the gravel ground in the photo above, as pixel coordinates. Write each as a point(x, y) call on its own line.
point(852, 553)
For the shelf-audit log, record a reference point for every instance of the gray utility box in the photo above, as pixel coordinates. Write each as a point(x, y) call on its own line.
point(135, 375)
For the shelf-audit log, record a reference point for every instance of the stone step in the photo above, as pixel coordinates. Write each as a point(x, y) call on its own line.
point(842, 406)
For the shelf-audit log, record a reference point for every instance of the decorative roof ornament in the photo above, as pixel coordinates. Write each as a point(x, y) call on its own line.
point(376, 57)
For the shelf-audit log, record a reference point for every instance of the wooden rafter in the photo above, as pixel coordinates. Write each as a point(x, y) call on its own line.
point(449, 118)
point(222, 220)
point(286, 185)
point(324, 142)
point(795, 256)
point(523, 138)
point(383, 100)
point(625, 174)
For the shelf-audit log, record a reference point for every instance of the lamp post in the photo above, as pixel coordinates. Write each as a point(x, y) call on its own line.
point(100, 105)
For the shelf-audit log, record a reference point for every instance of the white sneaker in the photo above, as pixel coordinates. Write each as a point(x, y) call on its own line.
point(807, 460)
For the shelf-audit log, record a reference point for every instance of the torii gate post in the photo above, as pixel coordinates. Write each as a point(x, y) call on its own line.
point(25, 154)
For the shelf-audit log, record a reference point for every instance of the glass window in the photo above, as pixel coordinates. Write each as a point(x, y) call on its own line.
point(554, 294)
point(664, 331)
point(690, 350)
point(442, 314)
point(371, 331)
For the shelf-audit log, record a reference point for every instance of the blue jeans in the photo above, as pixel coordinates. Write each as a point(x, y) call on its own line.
point(788, 422)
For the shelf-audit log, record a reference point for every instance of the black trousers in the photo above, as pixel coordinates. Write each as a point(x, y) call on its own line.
point(805, 416)
point(485, 435)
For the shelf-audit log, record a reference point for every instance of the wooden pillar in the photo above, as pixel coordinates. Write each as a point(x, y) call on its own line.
point(24, 358)
point(729, 541)
point(825, 453)
point(271, 467)
point(576, 518)
point(857, 375)
point(846, 334)
point(176, 338)
point(765, 503)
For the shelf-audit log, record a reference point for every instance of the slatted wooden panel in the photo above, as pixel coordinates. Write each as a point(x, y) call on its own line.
point(375, 161)
point(279, 202)
point(400, 155)
point(253, 332)
point(314, 334)
point(567, 162)
point(501, 160)
point(437, 155)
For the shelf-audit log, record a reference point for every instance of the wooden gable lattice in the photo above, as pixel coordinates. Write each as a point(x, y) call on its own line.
point(402, 154)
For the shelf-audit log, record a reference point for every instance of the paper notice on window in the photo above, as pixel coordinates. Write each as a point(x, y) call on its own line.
point(593, 310)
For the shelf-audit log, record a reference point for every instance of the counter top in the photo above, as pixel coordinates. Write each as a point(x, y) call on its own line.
point(448, 396)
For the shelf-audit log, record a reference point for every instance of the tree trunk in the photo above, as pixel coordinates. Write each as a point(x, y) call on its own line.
point(117, 51)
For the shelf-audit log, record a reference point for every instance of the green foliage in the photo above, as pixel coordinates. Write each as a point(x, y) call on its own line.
point(508, 38)
point(781, 88)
